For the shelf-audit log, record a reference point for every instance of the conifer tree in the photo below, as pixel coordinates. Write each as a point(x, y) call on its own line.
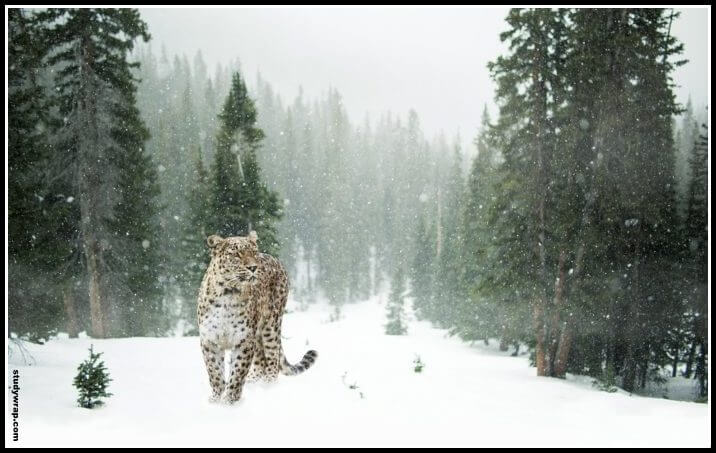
point(95, 94)
point(92, 381)
point(42, 252)
point(449, 262)
point(240, 201)
point(135, 226)
point(697, 240)
point(422, 272)
point(194, 252)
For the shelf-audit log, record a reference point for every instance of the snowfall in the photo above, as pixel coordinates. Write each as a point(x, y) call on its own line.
point(362, 391)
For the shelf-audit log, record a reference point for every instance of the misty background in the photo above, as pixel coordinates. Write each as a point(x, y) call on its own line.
point(433, 60)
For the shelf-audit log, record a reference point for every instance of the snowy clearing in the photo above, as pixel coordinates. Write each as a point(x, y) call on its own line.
point(465, 396)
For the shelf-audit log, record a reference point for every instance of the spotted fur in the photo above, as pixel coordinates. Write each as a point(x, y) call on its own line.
point(241, 303)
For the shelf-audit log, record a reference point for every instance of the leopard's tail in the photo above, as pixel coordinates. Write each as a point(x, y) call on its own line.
point(306, 362)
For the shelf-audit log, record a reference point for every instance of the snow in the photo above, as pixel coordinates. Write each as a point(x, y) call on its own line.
point(465, 396)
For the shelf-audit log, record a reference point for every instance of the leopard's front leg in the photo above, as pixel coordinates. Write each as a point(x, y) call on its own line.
point(271, 337)
point(241, 357)
point(258, 365)
point(214, 360)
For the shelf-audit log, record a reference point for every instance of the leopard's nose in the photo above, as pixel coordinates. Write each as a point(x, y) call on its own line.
point(252, 269)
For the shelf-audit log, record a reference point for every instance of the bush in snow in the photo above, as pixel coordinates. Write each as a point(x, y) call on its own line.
point(353, 386)
point(419, 365)
point(91, 381)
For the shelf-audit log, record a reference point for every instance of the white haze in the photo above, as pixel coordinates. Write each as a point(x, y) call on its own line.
point(433, 60)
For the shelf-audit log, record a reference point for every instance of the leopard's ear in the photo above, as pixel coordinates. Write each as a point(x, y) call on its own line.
point(253, 237)
point(214, 240)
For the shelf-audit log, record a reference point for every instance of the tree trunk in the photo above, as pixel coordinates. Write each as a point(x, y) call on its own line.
point(632, 352)
point(643, 371)
point(690, 360)
point(70, 311)
point(540, 353)
point(92, 180)
point(701, 369)
point(629, 371)
point(565, 339)
point(539, 313)
point(565, 344)
point(95, 297)
point(557, 306)
point(675, 362)
point(634, 343)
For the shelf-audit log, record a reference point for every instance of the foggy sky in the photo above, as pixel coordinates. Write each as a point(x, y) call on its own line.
point(380, 59)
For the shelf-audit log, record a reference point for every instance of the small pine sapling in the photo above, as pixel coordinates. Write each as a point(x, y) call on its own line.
point(91, 381)
point(419, 365)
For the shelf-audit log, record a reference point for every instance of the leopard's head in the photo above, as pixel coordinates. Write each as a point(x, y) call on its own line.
point(236, 258)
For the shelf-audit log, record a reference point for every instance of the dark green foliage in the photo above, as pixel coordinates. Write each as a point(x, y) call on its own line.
point(136, 229)
point(96, 168)
point(92, 381)
point(41, 217)
point(116, 182)
point(239, 200)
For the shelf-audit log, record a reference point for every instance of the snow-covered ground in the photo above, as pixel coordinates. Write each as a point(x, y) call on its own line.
point(465, 396)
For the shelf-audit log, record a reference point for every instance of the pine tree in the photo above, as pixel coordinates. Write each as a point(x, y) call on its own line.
point(92, 381)
point(636, 224)
point(95, 93)
point(449, 262)
point(488, 310)
point(528, 90)
point(261, 205)
point(136, 231)
point(585, 189)
point(697, 240)
point(43, 264)
point(332, 249)
point(240, 201)
point(422, 273)
point(396, 314)
point(194, 252)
